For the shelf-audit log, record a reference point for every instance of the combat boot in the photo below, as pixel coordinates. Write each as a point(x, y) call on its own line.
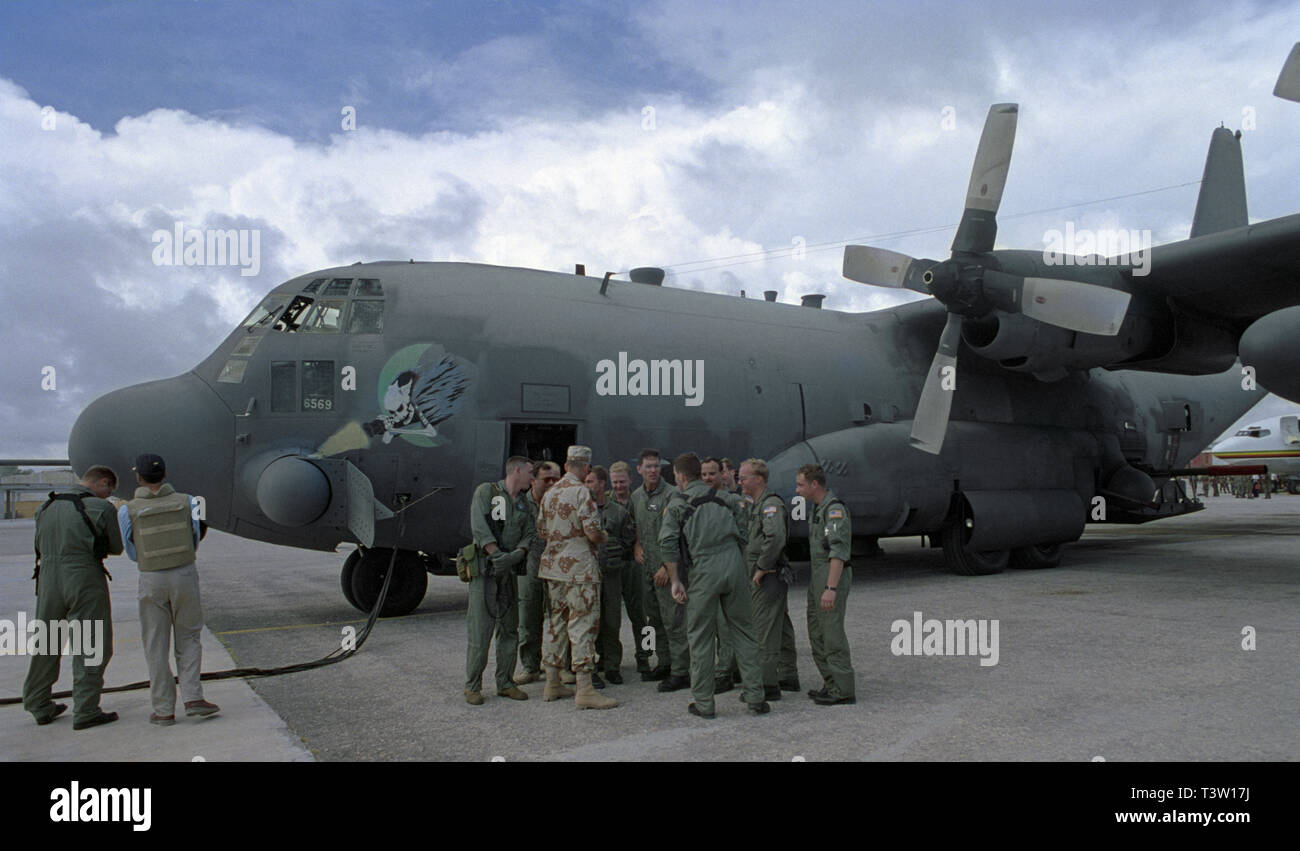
point(567, 677)
point(554, 688)
point(587, 696)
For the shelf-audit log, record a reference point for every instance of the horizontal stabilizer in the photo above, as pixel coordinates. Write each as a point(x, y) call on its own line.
point(1222, 202)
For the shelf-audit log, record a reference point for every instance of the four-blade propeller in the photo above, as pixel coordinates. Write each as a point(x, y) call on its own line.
point(969, 283)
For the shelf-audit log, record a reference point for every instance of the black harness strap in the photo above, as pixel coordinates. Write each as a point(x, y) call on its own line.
point(99, 545)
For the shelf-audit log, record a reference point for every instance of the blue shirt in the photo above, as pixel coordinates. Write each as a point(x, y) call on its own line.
point(124, 521)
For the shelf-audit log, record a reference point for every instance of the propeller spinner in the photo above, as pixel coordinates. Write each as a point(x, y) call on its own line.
point(968, 287)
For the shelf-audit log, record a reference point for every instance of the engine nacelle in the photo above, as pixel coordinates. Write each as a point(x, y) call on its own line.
point(1271, 345)
point(1022, 344)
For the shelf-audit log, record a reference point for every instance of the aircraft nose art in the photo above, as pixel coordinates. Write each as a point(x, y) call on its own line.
point(180, 419)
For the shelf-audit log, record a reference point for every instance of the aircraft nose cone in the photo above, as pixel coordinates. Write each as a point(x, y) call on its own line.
point(180, 419)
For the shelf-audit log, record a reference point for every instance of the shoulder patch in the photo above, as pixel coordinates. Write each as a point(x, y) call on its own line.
point(769, 511)
point(835, 513)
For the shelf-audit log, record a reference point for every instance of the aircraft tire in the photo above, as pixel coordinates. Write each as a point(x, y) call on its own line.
point(1293, 486)
point(345, 577)
point(405, 592)
point(967, 562)
point(1036, 558)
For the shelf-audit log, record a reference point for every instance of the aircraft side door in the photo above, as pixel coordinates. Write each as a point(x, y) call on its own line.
point(1290, 428)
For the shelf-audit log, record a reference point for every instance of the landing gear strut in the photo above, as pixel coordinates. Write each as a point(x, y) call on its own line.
point(363, 575)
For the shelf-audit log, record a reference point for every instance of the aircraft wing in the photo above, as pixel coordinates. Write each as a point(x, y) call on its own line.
point(1239, 274)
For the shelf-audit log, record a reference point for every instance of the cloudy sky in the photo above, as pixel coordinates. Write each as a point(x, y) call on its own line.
point(738, 145)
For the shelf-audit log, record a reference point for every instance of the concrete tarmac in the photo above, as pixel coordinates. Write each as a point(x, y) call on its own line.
point(1176, 640)
point(246, 729)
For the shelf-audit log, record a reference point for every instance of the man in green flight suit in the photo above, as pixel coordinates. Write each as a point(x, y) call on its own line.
point(75, 530)
point(614, 553)
point(670, 644)
point(712, 530)
point(532, 591)
point(770, 579)
point(830, 533)
point(499, 521)
point(620, 481)
point(728, 673)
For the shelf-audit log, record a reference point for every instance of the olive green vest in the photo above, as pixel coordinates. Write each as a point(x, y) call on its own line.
point(162, 528)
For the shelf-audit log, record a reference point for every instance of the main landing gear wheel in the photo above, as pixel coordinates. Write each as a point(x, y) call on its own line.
point(967, 562)
point(1036, 558)
point(410, 580)
point(345, 579)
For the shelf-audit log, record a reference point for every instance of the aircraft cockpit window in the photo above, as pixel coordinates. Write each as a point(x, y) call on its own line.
point(233, 371)
point(326, 316)
point(367, 317)
point(314, 285)
point(1254, 431)
point(292, 315)
point(338, 286)
point(369, 286)
point(264, 312)
point(246, 345)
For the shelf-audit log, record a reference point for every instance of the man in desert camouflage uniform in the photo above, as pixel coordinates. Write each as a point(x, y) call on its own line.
point(570, 524)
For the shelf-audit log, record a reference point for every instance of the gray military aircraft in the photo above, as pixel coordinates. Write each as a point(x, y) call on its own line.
point(1033, 393)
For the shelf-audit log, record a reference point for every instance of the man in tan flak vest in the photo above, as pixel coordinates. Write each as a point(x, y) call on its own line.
point(569, 522)
point(160, 529)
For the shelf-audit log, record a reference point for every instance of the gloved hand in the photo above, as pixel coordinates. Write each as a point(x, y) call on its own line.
point(503, 563)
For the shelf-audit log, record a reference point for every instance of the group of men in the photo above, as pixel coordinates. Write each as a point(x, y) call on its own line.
point(699, 568)
point(159, 530)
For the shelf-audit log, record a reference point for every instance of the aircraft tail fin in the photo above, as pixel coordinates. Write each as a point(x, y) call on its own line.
point(1288, 82)
point(1222, 202)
